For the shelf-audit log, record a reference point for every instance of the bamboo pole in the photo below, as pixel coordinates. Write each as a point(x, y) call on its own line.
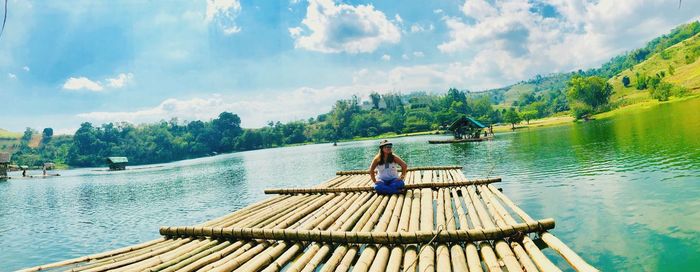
point(525, 261)
point(426, 260)
point(306, 218)
point(236, 258)
point(137, 258)
point(420, 168)
point(487, 254)
point(346, 262)
point(569, 255)
point(502, 248)
point(382, 260)
point(470, 250)
point(539, 259)
point(315, 253)
point(95, 256)
point(163, 257)
point(322, 222)
point(356, 223)
point(396, 255)
point(411, 255)
point(371, 188)
point(367, 256)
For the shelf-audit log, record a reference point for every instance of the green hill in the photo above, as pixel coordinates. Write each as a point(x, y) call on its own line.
point(679, 48)
point(677, 64)
point(8, 140)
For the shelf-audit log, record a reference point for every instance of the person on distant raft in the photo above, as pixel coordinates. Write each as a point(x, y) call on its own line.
point(387, 179)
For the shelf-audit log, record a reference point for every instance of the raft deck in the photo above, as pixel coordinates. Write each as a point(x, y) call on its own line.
point(443, 222)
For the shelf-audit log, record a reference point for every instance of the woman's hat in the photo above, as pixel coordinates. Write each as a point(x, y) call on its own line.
point(385, 143)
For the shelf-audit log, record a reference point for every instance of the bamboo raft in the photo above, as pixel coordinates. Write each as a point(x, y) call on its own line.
point(450, 141)
point(443, 222)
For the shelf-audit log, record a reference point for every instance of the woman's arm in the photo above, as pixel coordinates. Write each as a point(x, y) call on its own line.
point(404, 167)
point(373, 166)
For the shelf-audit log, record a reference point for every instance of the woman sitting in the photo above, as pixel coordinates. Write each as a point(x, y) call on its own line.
point(387, 180)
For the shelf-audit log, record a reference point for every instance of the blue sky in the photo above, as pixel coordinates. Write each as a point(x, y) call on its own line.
point(66, 62)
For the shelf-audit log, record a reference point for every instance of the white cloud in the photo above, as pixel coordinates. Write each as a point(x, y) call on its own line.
point(11, 76)
point(80, 83)
point(25, 68)
point(295, 31)
point(120, 80)
point(437, 11)
point(418, 54)
point(386, 57)
point(405, 56)
point(345, 28)
point(478, 9)
point(572, 35)
point(417, 28)
point(300, 103)
point(84, 83)
point(398, 19)
point(224, 14)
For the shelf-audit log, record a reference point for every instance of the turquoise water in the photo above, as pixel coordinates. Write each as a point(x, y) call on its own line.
point(624, 191)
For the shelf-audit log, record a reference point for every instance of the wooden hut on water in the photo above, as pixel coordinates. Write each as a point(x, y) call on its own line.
point(117, 163)
point(465, 129)
point(442, 222)
point(4, 164)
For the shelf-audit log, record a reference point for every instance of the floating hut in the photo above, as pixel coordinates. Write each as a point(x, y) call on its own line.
point(465, 129)
point(117, 163)
point(443, 222)
point(4, 164)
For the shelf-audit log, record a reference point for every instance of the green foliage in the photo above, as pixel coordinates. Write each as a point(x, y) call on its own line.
point(662, 91)
point(679, 91)
point(653, 81)
point(46, 135)
point(375, 98)
point(528, 115)
point(592, 91)
point(641, 81)
point(581, 110)
point(27, 136)
point(512, 117)
point(671, 70)
point(626, 81)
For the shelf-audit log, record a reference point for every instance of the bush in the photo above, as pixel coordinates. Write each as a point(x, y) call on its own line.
point(641, 82)
point(581, 110)
point(626, 81)
point(662, 91)
point(679, 91)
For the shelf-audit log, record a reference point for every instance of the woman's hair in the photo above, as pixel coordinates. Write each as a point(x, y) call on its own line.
point(389, 158)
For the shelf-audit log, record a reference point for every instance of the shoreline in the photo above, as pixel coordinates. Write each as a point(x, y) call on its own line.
point(551, 121)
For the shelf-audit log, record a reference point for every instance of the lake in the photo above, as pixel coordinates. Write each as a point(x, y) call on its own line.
point(624, 191)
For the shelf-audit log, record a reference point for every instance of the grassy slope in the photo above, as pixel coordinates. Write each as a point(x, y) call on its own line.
point(8, 139)
point(686, 75)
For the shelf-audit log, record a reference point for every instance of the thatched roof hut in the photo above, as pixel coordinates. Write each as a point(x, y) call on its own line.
point(4, 162)
point(466, 127)
point(117, 163)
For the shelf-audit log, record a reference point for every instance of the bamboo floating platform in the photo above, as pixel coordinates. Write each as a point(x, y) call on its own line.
point(450, 141)
point(442, 222)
